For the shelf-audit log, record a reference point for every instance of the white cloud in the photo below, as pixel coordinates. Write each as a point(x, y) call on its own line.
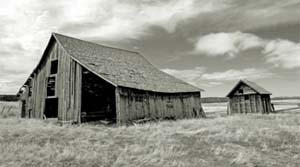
point(228, 44)
point(26, 25)
point(283, 53)
point(191, 76)
point(233, 74)
point(116, 19)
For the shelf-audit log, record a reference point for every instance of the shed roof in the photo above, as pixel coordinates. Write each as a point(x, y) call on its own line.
point(253, 85)
point(122, 67)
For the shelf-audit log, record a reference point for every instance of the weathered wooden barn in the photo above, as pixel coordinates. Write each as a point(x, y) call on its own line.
point(248, 97)
point(78, 81)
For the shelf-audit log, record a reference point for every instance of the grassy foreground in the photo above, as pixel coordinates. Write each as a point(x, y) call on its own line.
point(244, 140)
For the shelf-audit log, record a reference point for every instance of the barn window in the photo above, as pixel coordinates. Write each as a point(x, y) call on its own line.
point(51, 86)
point(241, 91)
point(247, 97)
point(54, 67)
point(30, 91)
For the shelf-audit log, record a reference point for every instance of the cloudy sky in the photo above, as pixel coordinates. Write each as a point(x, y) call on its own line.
point(208, 43)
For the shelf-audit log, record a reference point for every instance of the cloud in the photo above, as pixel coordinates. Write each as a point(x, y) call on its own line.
point(26, 25)
point(105, 18)
point(283, 53)
point(191, 76)
point(199, 77)
point(226, 44)
point(233, 74)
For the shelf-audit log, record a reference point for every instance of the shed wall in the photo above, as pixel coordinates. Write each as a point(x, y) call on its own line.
point(255, 104)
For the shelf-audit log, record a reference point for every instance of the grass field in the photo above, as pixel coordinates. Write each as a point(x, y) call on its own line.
point(239, 140)
point(9, 109)
point(219, 109)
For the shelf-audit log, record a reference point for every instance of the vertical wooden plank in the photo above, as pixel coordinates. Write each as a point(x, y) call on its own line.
point(182, 106)
point(155, 102)
point(259, 104)
point(152, 109)
point(176, 107)
point(120, 116)
point(254, 103)
point(126, 106)
point(77, 92)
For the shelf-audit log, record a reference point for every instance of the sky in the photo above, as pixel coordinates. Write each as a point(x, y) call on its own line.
point(208, 43)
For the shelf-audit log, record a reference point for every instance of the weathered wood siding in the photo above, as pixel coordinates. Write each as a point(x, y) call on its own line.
point(246, 90)
point(255, 104)
point(68, 86)
point(36, 102)
point(132, 104)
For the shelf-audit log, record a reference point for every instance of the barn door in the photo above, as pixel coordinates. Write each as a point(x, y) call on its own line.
point(51, 108)
point(23, 109)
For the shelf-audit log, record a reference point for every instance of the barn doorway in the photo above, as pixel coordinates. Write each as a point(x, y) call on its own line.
point(23, 109)
point(98, 99)
point(51, 108)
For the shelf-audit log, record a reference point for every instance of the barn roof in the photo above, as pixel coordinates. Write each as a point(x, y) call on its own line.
point(121, 67)
point(253, 85)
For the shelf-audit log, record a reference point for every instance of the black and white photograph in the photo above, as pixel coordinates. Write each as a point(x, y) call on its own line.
point(150, 83)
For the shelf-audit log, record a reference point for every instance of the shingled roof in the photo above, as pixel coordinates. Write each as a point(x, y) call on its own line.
point(122, 67)
point(254, 86)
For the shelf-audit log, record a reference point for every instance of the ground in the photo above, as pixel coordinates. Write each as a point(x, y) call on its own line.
point(239, 140)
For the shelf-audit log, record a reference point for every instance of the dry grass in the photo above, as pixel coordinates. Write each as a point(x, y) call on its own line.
point(241, 140)
point(9, 109)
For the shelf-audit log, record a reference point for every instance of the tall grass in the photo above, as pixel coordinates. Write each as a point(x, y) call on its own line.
point(9, 109)
point(240, 140)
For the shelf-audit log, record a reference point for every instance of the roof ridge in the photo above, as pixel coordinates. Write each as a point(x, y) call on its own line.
point(112, 47)
point(257, 88)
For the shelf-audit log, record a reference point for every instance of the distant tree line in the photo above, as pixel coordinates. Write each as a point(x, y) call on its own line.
point(8, 98)
point(286, 98)
point(214, 99)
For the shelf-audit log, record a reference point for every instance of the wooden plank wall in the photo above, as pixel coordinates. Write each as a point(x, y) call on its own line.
point(39, 90)
point(255, 104)
point(136, 104)
point(69, 88)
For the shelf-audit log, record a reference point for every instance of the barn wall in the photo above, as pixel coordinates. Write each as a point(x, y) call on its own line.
point(68, 86)
point(36, 102)
point(135, 104)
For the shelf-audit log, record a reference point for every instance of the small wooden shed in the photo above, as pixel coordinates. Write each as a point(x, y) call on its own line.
point(248, 97)
point(78, 81)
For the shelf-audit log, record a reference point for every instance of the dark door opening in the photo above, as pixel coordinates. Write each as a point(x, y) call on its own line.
point(51, 108)
point(23, 109)
point(98, 99)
